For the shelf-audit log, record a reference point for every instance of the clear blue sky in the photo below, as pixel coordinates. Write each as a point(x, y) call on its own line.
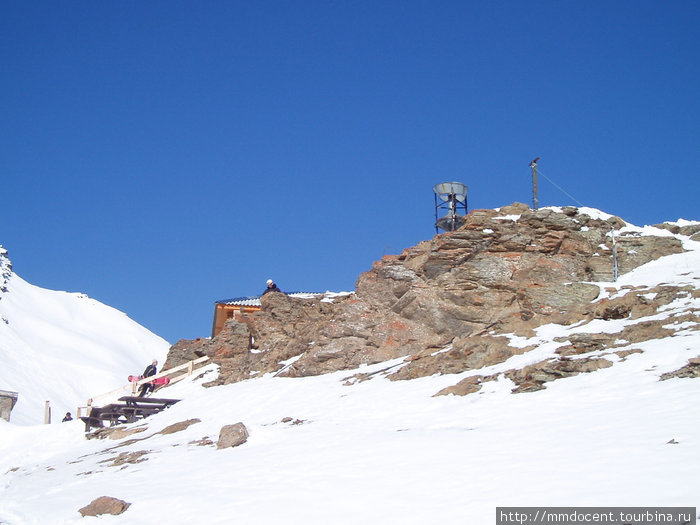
point(159, 156)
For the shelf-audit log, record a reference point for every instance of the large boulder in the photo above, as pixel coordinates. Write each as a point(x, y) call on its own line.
point(232, 436)
point(104, 505)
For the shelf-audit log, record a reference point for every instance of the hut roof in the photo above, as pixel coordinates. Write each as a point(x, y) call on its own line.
point(254, 300)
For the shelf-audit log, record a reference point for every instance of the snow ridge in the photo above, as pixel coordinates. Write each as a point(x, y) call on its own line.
point(5, 270)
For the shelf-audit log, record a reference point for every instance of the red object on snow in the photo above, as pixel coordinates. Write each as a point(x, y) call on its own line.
point(157, 382)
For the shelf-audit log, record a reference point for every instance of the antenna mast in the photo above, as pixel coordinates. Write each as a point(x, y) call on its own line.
point(535, 199)
point(614, 255)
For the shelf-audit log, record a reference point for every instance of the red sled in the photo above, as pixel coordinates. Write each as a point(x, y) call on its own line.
point(157, 382)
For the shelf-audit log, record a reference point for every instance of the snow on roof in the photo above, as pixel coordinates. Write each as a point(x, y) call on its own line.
point(241, 301)
point(254, 300)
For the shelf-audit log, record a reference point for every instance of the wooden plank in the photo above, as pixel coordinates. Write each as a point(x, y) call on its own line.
point(134, 384)
point(176, 369)
point(148, 400)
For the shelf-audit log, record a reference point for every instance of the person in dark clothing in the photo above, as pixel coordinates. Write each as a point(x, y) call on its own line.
point(271, 287)
point(150, 371)
point(67, 417)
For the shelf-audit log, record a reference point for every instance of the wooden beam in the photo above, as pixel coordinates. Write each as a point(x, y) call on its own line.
point(132, 386)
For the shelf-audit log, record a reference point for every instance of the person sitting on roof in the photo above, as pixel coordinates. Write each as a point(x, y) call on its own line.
point(271, 287)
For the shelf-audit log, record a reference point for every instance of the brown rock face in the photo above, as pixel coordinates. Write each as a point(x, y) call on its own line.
point(184, 351)
point(442, 303)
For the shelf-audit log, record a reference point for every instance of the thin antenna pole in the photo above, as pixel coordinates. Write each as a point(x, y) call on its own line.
point(535, 199)
point(436, 213)
point(614, 256)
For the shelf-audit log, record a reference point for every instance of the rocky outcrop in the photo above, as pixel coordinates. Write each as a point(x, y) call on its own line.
point(691, 370)
point(466, 353)
point(533, 377)
point(443, 303)
point(691, 229)
point(184, 351)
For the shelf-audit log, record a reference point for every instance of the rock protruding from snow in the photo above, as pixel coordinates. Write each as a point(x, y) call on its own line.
point(691, 370)
point(232, 436)
point(104, 505)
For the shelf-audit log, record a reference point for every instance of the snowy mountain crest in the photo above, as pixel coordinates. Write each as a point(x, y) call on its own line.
point(5, 273)
point(5, 270)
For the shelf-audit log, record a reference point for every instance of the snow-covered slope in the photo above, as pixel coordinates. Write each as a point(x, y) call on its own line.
point(378, 451)
point(64, 347)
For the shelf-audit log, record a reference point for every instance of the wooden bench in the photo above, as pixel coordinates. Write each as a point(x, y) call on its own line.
point(91, 422)
point(136, 400)
point(133, 409)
